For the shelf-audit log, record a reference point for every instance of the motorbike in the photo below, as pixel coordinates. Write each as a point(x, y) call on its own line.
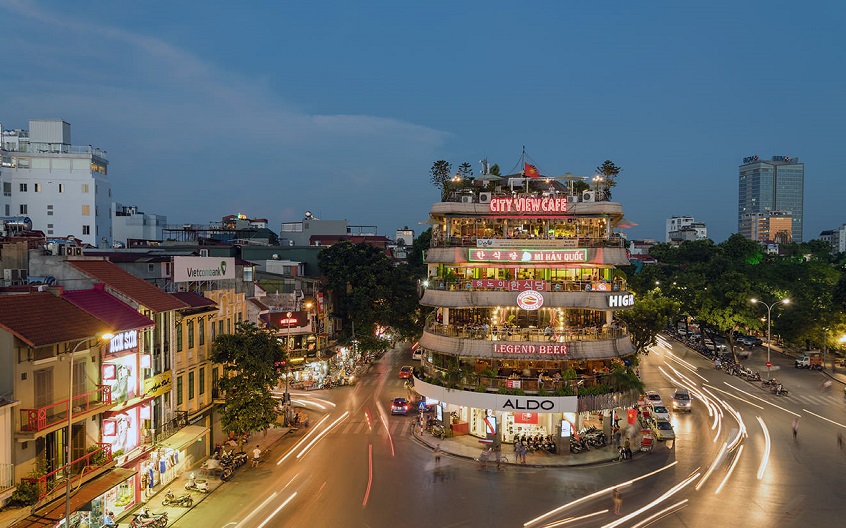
point(769, 383)
point(181, 500)
point(578, 446)
point(192, 484)
point(778, 390)
point(145, 519)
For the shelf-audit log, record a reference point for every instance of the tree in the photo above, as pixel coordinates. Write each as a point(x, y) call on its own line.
point(416, 260)
point(465, 170)
point(249, 357)
point(609, 171)
point(441, 172)
point(647, 318)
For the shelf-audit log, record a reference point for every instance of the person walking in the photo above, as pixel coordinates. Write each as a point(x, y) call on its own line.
point(840, 440)
point(498, 456)
point(521, 452)
point(256, 456)
point(618, 501)
point(437, 453)
point(795, 427)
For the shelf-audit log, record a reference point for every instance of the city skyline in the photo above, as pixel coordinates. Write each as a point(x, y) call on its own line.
point(209, 112)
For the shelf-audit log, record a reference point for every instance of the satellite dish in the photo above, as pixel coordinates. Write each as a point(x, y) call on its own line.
point(275, 256)
point(308, 214)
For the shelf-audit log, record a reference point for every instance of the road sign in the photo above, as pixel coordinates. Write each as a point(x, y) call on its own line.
point(769, 363)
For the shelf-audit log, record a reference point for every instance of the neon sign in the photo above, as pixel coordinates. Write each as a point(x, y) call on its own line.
point(527, 255)
point(504, 348)
point(529, 204)
point(124, 341)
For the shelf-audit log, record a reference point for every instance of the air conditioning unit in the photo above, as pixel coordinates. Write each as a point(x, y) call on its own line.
point(466, 199)
point(484, 197)
point(572, 199)
point(589, 196)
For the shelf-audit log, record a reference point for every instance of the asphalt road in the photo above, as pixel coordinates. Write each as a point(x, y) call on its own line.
point(359, 466)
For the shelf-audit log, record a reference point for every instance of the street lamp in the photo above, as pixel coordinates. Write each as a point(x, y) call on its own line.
point(769, 325)
point(107, 335)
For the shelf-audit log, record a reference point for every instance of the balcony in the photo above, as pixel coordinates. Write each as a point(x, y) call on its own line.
point(509, 285)
point(43, 418)
point(97, 458)
point(525, 240)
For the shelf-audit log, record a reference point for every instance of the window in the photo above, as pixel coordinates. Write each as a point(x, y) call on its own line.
point(202, 381)
point(7, 210)
point(179, 390)
point(179, 338)
point(214, 334)
point(22, 187)
point(86, 210)
point(61, 187)
point(22, 209)
point(151, 268)
point(240, 318)
point(201, 327)
point(228, 325)
point(49, 210)
point(220, 327)
point(49, 226)
point(37, 187)
point(7, 189)
point(191, 385)
point(190, 336)
point(85, 188)
point(86, 230)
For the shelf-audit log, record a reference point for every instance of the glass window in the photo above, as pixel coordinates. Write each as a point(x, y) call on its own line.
point(86, 230)
point(37, 187)
point(179, 390)
point(22, 209)
point(49, 210)
point(179, 338)
point(191, 385)
point(228, 325)
point(85, 188)
point(220, 327)
point(202, 380)
point(190, 335)
point(61, 187)
point(22, 187)
point(201, 328)
point(86, 210)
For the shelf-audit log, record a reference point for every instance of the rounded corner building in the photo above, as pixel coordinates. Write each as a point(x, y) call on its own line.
point(522, 342)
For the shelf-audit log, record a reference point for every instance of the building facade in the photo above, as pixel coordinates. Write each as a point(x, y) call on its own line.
point(523, 290)
point(777, 184)
point(767, 227)
point(681, 228)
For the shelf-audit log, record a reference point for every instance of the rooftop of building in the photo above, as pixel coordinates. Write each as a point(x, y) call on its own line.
point(128, 285)
point(41, 319)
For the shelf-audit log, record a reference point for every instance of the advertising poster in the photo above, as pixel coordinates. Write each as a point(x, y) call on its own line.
point(121, 375)
point(122, 430)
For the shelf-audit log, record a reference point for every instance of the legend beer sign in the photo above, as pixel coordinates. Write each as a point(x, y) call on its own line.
point(526, 349)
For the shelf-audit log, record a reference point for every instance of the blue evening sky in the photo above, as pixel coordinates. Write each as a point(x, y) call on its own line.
point(339, 107)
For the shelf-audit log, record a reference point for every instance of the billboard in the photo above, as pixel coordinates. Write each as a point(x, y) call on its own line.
point(195, 269)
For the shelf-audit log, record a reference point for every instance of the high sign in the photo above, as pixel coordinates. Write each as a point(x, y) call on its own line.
point(510, 285)
point(529, 204)
point(529, 300)
point(194, 269)
point(620, 300)
point(750, 159)
point(527, 255)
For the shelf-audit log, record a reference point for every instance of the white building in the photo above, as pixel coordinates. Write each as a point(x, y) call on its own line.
point(680, 228)
point(64, 189)
point(130, 223)
point(835, 237)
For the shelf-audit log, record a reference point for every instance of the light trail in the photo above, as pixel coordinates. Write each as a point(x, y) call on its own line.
point(761, 399)
point(767, 444)
point(384, 418)
point(256, 510)
point(368, 419)
point(667, 494)
point(661, 514)
point(302, 440)
point(730, 470)
point(568, 520)
point(733, 396)
point(716, 461)
point(305, 403)
point(277, 510)
point(322, 434)
point(369, 474)
point(596, 494)
point(824, 418)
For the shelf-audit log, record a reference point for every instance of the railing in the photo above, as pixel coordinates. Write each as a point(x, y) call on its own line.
point(526, 241)
point(7, 476)
point(170, 427)
point(601, 286)
point(33, 420)
point(505, 333)
point(51, 481)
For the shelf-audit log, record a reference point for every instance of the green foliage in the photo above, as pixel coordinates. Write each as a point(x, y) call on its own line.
point(609, 171)
point(648, 317)
point(593, 390)
point(416, 259)
point(511, 392)
point(441, 174)
point(249, 358)
point(26, 494)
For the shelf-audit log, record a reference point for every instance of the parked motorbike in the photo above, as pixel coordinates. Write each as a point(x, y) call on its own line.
point(145, 519)
point(578, 446)
point(772, 382)
point(438, 431)
point(184, 500)
point(192, 484)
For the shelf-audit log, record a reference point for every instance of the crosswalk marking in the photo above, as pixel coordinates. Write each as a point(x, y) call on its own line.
point(397, 427)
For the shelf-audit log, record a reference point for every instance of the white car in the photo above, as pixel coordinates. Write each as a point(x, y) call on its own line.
point(660, 412)
point(653, 398)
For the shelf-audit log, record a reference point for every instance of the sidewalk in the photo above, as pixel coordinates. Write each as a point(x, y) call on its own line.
point(469, 447)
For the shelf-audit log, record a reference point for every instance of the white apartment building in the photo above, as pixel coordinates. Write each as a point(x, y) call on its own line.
point(836, 238)
point(129, 223)
point(63, 188)
point(680, 228)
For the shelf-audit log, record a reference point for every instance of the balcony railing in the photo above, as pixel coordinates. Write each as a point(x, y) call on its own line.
point(33, 420)
point(170, 427)
point(601, 286)
point(506, 333)
point(93, 460)
point(526, 241)
point(7, 476)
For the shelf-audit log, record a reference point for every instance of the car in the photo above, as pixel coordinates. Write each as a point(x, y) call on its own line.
point(416, 352)
point(681, 400)
point(405, 372)
point(660, 412)
point(662, 429)
point(400, 406)
point(711, 346)
point(653, 398)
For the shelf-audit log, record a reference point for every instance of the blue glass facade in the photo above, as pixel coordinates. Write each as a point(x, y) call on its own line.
point(775, 185)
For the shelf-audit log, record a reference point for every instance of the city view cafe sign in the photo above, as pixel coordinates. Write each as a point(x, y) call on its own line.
point(529, 204)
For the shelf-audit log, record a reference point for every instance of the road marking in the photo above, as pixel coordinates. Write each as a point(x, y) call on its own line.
point(761, 399)
point(824, 418)
point(658, 515)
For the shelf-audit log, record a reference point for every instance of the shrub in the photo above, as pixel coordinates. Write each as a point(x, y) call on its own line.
point(26, 494)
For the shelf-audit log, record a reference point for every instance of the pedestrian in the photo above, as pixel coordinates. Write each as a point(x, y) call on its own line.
point(437, 453)
point(618, 501)
point(521, 453)
point(498, 455)
point(618, 436)
point(795, 427)
point(256, 456)
point(305, 420)
point(840, 440)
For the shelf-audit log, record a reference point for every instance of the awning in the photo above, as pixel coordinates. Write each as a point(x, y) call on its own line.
point(89, 491)
point(184, 436)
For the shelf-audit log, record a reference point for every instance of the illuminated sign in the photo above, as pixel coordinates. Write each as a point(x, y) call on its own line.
point(527, 255)
point(529, 300)
point(529, 204)
point(750, 159)
point(124, 341)
point(506, 348)
point(158, 384)
point(620, 300)
point(120, 374)
point(193, 269)
point(288, 319)
point(121, 430)
point(528, 404)
point(510, 285)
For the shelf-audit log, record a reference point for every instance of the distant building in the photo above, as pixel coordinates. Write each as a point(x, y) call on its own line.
point(681, 228)
point(641, 247)
point(232, 229)
point(128, 223)
point(770, 226)
point(836, 238)
point(405, 236)
point(774, 185)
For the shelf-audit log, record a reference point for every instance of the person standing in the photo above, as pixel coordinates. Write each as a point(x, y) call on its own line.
point(618, 501)
point(795, 427)
point(256, 456)
point(437, 453)
point(521, 452)
point(840, 440)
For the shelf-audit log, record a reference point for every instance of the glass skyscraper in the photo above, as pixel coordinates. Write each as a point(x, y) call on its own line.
point(772, 185)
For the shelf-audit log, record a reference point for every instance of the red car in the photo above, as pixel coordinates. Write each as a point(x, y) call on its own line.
point(405, 372)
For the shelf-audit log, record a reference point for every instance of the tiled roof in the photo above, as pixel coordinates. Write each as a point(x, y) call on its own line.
point(108, 308)
point(40, 319)
point(129, 285)
point(194, 300)
point(260, 305)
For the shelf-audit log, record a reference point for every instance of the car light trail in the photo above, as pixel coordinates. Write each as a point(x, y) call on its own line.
point(369, 474)
point(747, 402)
point(766, 456)
point(761, 399)
point(667, 494)
point(322, 434)
point(306, 403)
point(824, 418)
point(716, 461)
point(692, 368)
point(302, 440)
point(568, 520)
point(277, 510)
point(256, 510)
point(730, 470)
point(657, 516)
point(384, 418)
point(596, 494)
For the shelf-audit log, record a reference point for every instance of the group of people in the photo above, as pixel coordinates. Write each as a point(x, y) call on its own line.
point(535, 443)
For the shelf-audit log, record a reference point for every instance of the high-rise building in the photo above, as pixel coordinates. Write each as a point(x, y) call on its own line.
point(774, 185)
point(768, 227)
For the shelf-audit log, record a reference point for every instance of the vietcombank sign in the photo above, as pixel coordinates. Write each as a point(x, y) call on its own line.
point(194, 269)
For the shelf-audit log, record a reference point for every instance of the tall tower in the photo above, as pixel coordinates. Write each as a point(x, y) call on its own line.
point(774, 185)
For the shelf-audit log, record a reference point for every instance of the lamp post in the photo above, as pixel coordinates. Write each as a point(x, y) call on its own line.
point(70, 422)
point(769, 325)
